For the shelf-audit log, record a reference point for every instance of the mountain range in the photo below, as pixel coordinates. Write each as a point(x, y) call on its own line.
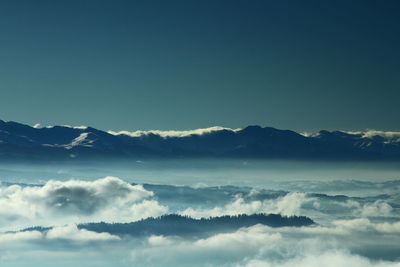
point(19, 141)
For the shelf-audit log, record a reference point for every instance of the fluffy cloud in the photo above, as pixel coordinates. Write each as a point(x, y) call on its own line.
point(258, 245)
point(71, 232)
point(261, 246)
point(291, 203)
point(253, 237)
point(239, 206)
point(332, 258)
point(107, 199)
point(378, 208)
point(360, 227)
point(20, 236)
point(222, 249)
point(159, 240)
point(390, 136)
point(365, 225)
point(66, 232)
point(358, 240)
point(288, 205)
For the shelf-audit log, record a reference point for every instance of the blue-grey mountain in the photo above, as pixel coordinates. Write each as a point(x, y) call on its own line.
point(19, 141)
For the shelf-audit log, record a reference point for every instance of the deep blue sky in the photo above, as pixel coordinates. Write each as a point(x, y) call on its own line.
point(301, 65)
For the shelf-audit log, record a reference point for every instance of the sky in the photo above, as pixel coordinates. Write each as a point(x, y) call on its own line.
point(129, 65)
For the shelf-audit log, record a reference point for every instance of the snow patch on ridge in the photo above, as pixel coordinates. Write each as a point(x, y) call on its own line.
point(81, 140)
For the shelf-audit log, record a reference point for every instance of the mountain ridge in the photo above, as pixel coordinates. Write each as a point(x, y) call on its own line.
point(20, 141)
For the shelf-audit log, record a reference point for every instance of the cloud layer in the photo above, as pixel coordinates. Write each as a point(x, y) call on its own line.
point(356, 231)
point(260, 246)
point(174, 133)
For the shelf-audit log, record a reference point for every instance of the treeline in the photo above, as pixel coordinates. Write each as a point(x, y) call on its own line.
point(178, 225)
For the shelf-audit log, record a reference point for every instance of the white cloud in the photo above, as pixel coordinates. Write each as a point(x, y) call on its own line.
point(20, 236)
point(107, 199)
point(147, 208)
point(159, 240)
point(244, 238)
point(291, 203)
point(288, 205)
point(173, 133)
point(365, 225)
point(218, 250)
point(71, 232)
point(332, 258)
point(67, 232)
point(359, 226)
point(260, 245)
point(239, 206)
point(379, 208)
point(390, 136)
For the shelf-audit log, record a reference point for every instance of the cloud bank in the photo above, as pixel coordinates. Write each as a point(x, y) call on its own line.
point(173, 133)
point(109, 199)
point(260, 246)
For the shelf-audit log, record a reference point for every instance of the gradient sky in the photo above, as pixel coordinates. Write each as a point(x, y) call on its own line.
point(301, 65)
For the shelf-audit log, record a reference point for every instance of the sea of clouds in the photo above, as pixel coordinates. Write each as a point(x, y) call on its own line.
point(358, 230)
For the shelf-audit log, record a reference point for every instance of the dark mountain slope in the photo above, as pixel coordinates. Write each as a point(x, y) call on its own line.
point(19, 141)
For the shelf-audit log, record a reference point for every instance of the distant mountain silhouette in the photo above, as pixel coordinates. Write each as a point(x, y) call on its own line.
point(19, 141)
point(178, 225)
